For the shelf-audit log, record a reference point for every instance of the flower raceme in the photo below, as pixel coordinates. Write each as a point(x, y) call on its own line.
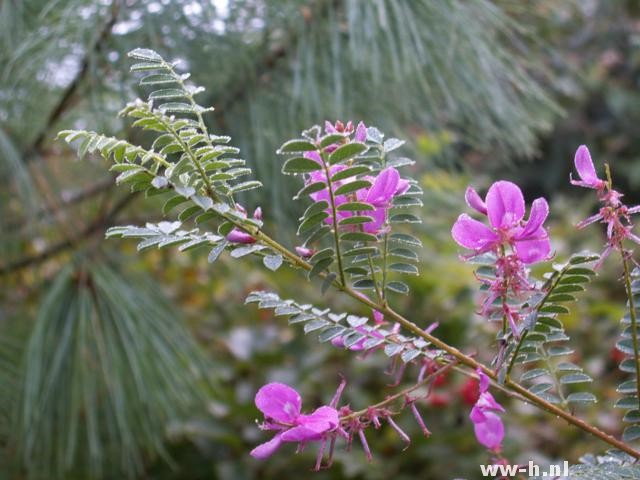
point(384, 187)
point(514, 242)
point(615, 214)
point(505, 208)
point(281, 406)
point(339, 127)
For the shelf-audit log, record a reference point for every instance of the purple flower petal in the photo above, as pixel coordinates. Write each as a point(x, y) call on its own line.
point(586, 170)
point(361, 133)
point(312, 427)
point(477, 415)
point(265, 450)
point(483, 381)
point(490, 432)
point(403, 186)
point(588, 221)
point(539, 213)
point(473, 234)
point(279, 402)
point(384, 187)
point(475, 201)
point(338, 342)
point(304, 252)
point(505, 204)
point(329, 128)
point(537, 249)
point(379, 216)
point(487, 402)
point(238, 236)
point(313, 155)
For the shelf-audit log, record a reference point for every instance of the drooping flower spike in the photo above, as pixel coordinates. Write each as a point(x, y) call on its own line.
point(487, 424)
point(281, 406)
point(384, 187)
point(505, 209)
point(615, 214)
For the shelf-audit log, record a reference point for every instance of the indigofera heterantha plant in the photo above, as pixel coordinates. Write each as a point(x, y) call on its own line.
point(355, 238)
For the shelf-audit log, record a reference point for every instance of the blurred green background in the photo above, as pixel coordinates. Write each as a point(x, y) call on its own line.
point(117, 364)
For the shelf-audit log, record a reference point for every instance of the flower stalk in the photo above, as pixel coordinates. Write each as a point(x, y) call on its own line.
point(632, 316)
point(460, 357)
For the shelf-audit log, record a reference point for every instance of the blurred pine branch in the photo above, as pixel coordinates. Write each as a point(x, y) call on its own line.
point(107, 367)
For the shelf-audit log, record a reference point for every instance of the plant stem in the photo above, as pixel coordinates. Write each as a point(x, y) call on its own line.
point(550, 288)
point(334, 214)
point(632, 316)
point(203, 128)
point(196, 163)
point(553, 375)
point(385, 254)
point(457, 354)
point(374, 278)
point(391, 314)
point(515, 353)
point(392, 398)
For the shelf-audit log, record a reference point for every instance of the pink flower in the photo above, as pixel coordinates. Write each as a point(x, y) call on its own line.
point(504, 206)
point(281, 407)
point(487, 424)
point(237, 235)
point(384, 187)
point(305, 252)
point(361, 133)
point(586, 170)
point(615, 214)
point(339, 127)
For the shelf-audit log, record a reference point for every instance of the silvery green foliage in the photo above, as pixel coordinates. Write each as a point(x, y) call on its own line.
point(368, 259)
point(107, 367)
point(629, 389)
point(197, 169)
point(553, 377)
point(614, 465)
point(202, 175)
point(352, 329)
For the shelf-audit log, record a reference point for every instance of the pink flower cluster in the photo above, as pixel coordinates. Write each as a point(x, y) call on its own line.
point(384, 186)
point(504, 207)
point(514, 241)
point(281, 406)
point(613, 213)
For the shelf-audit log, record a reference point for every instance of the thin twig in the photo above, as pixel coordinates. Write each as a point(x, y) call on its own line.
point(632, 316)
point(60, 247)
point(69, 96)
point(392, 398)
